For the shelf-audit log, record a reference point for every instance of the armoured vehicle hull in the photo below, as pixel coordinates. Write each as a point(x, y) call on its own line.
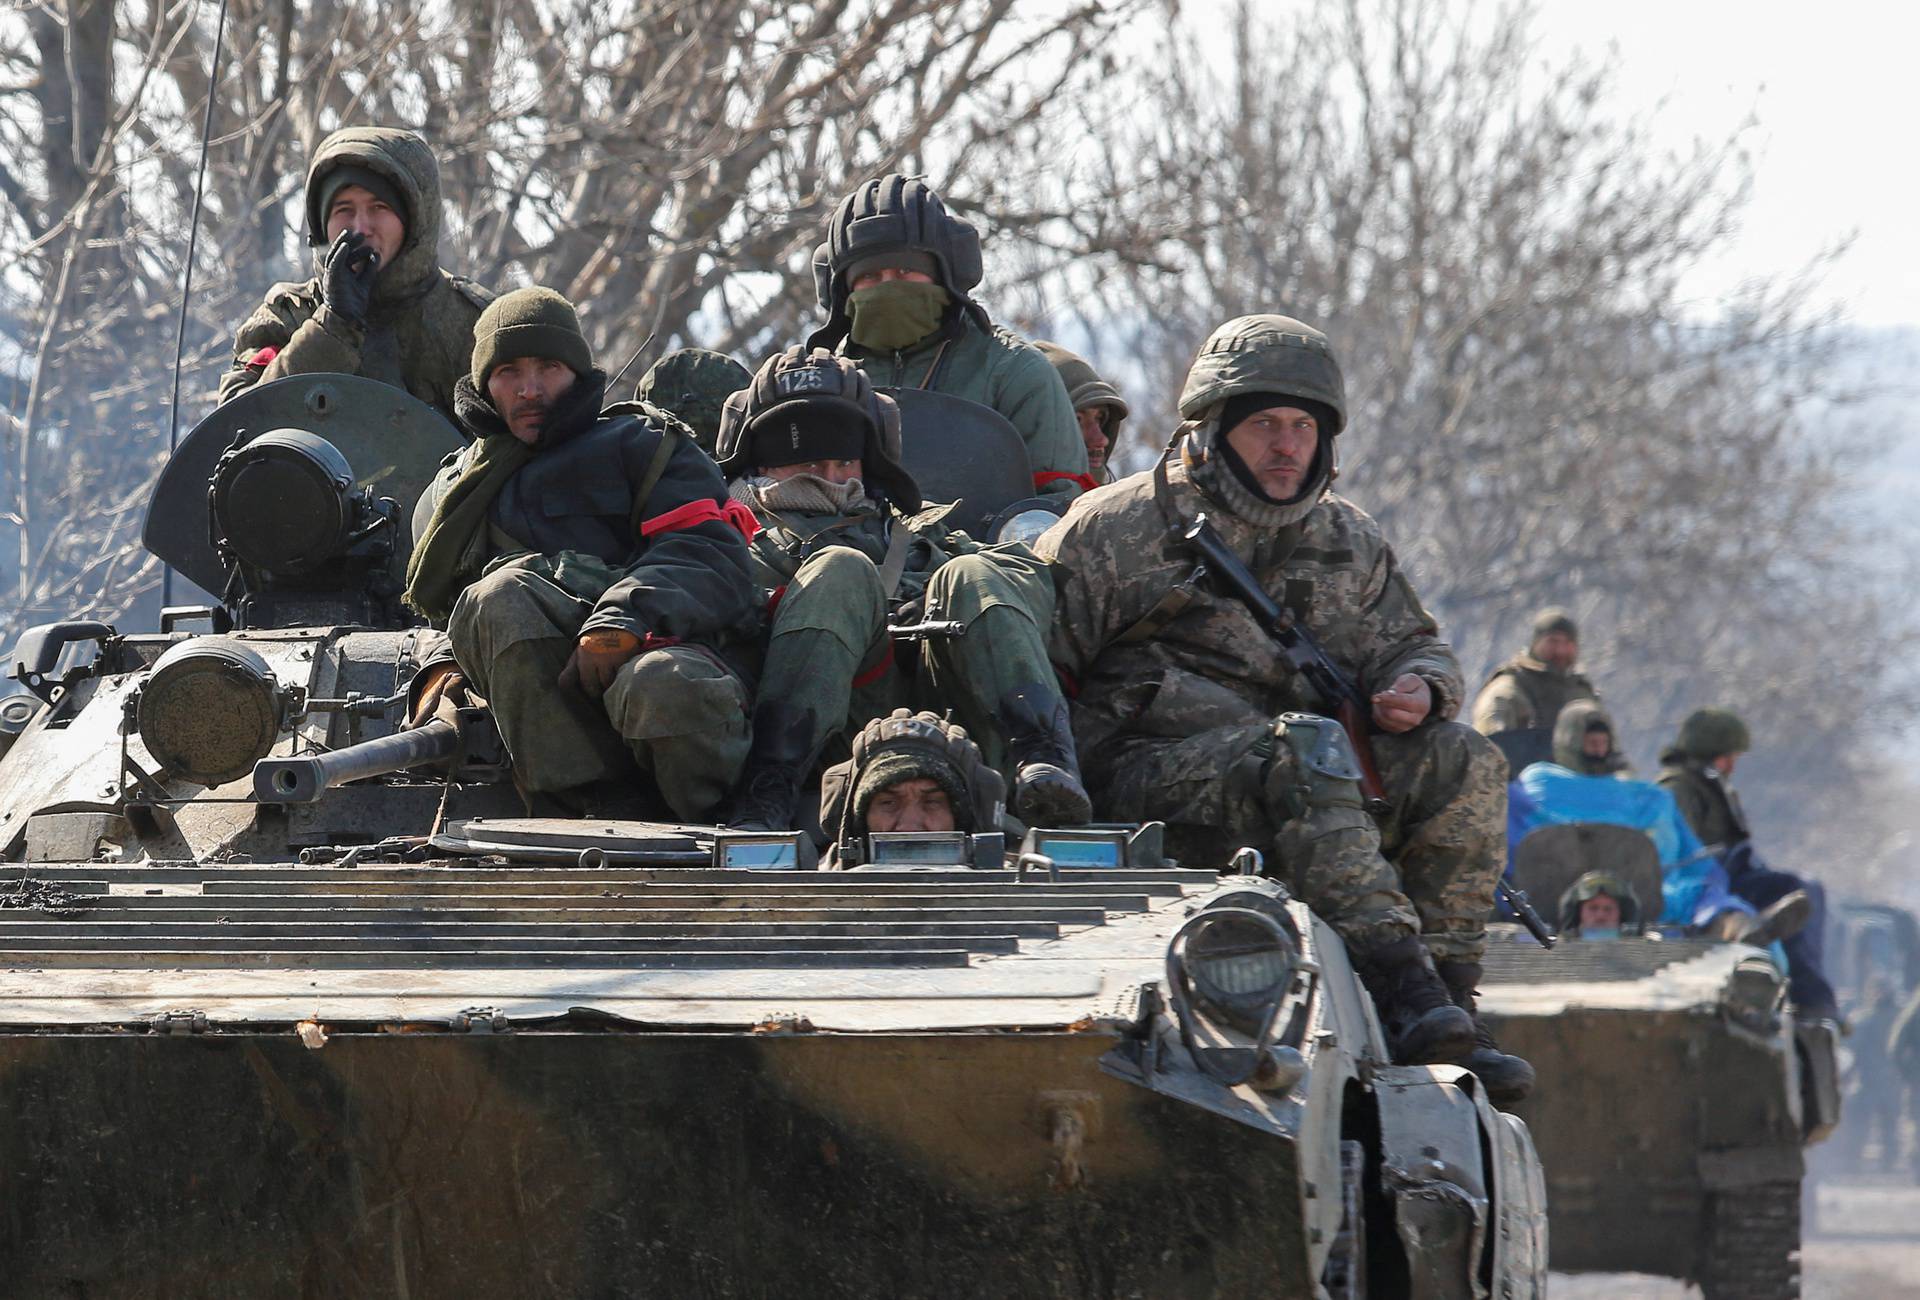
point(468, 1079)
point(1680, 1094)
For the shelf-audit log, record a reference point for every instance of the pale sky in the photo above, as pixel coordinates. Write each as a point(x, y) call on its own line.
point(1835, 88)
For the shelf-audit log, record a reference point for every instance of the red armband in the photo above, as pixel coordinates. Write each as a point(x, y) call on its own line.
point(879, 670)
point(701, 512)
point(1046, 476)
point(259, 360)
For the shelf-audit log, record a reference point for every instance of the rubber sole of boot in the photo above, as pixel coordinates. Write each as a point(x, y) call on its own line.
point(1507, 1079)
point(1046, 795)
point(1444, 1036)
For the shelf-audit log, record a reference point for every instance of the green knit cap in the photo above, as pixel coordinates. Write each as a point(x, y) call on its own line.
point(1709, 733)
point(533, 322)
point(1554, 619)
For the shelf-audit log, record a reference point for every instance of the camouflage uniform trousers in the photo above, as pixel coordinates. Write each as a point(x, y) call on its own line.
point(829, 650)
point(1428, 866)
point(678, 711)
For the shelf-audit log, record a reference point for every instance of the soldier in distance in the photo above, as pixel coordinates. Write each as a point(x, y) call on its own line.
point(1599, 906)
point(1697, 770)
point(591, 574)
point(1097, 405)
point(379, 305)
point(894, 278)
point(847, 544)
point(1527, 692)
point(1186, 712)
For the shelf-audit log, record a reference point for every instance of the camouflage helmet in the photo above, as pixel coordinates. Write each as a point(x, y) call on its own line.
point(1264, 354)
point(894, 214)
point(694, 384)
point(1709, 733)
point(815, 377)
point(1084, 385)
point(901, 747)
point(1592, 885)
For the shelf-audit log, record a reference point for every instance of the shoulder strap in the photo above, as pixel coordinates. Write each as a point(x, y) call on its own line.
point(656, 470)
point(899, 538)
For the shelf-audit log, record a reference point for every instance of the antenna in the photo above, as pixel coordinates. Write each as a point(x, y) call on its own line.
point(186, 271)
point(644, 343)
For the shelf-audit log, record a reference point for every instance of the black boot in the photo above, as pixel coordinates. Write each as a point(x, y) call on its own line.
point(1507, 1078)
point(1422, 1024)
point(785, 744)
point(1046, 771)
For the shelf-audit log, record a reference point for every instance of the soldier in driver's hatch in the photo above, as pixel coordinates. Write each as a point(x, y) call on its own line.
point(1186, 711)
point(1097, 405)
point(591, 573)
point(908, 772)
point(894, 277)
point(846, 541)
point(379, 305)
point(1527, 692)
point(692, 385)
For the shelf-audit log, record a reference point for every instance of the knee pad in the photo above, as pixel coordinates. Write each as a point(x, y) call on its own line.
point(1315, 762)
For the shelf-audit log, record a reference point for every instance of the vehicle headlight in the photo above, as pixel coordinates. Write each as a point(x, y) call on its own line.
point(210, 708)
point(1025, 520)
point(1239, 963)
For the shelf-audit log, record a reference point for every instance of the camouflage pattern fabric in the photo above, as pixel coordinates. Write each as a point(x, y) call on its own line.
point(419, 334)
point(678, 711)
point(1524, 693)
point(1176, 686)
point(693, 384)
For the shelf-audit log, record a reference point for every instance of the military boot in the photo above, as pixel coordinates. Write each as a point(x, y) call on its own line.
point(1507, 1078)
point(1422, 1024)
point(785, 744)
point(1046, 770)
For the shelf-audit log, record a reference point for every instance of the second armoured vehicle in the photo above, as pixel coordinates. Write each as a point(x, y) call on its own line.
point(1681, 1089)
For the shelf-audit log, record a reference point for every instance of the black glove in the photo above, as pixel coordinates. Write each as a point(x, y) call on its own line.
point(346, 278)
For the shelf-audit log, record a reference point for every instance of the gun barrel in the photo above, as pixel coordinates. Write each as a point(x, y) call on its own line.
point(306, 778)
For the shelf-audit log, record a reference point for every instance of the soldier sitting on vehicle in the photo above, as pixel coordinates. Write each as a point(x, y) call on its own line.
point(1697, 770)
point(846, 541)
point(1599, 906)
point(894, 277)
point(1097, 405)
point(591, 573)
point(378, 305)
point(1526, 693)
point(1584, 783)
point(1188, 713)
point(907, 772)
point(692, 385)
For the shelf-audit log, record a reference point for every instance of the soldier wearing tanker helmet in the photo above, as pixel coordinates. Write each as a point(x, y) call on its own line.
point(1186, 713)
point(845, 539)
point(591, 574)
point(908, 772)
point(379, 305)
point(1097, 405)
point(692, 385)
point(894, 277)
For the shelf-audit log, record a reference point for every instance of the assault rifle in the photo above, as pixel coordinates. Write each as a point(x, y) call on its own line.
point(1339, 694)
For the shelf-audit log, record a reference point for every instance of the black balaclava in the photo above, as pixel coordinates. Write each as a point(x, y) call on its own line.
point(1238, 408)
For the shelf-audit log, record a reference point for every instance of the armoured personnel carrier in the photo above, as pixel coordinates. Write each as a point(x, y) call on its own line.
point(294, 1002)
point(1679, 1092)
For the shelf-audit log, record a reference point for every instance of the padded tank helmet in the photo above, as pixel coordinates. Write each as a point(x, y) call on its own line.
point(901, 747)
point(812, 380)
point(894, 214)
point(1265, 354)
point(1592, 885)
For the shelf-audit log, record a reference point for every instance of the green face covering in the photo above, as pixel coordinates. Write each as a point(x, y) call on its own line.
point(895, 314)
